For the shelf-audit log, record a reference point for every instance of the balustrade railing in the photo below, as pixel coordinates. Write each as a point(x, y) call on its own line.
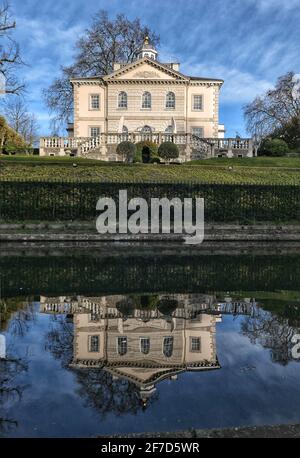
point(83, 145)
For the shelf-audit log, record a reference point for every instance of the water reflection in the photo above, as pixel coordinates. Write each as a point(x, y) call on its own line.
point(142, 339)
point(102, 346)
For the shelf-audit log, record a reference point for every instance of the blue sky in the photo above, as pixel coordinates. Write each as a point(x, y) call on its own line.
point(248, 43)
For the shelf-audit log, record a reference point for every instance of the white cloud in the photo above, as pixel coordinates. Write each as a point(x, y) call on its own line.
point(239, 86)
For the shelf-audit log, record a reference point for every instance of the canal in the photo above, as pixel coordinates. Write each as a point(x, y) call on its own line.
point(103, 342)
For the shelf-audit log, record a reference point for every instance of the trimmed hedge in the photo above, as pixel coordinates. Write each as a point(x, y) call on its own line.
point(146, 148)
point(168, 150)
point(75, 200)
point(127, 150)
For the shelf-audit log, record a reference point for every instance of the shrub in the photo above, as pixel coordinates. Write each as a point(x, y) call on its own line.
point(146, 151)
point(127, 150)
point(168, 150)
point(273, 147)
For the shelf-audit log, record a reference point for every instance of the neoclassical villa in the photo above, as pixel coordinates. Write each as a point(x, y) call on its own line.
point(146, 100)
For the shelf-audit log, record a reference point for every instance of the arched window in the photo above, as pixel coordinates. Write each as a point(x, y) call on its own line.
point(170, 100)
point(124, 130)
point(122, 100)
point(146, 130)
point(146, 100)
point(169, 130)
point(168, 346)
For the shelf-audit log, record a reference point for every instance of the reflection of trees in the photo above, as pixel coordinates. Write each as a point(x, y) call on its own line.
point(13, 308)
point(60, 339)
point(108, 395)
point(10, 391)
point(271, 332)
point(20, 321)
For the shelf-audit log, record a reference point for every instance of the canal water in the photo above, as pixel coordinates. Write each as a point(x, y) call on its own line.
point(118, 343)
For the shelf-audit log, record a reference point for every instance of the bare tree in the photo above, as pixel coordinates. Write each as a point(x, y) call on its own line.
point(275, 109)
point(105, 42)
point(10, 58)
point(21, 120)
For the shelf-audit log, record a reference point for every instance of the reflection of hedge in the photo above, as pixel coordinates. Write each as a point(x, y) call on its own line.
point(77, 200)
point(138, 275)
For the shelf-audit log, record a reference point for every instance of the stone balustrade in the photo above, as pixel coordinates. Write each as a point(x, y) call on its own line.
point(191, 146)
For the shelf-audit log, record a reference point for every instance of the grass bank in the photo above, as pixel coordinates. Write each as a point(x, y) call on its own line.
point(277, 171)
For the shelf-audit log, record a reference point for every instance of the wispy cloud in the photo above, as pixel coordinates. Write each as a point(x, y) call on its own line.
point(248, 43)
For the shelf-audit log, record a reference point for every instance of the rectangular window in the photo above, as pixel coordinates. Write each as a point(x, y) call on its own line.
point(122, 345)
point(195, 344)
point(95, 131)
point(198, 131)
point(94, 344)
point(198, 102)
point(94, 102)
point(145, 345)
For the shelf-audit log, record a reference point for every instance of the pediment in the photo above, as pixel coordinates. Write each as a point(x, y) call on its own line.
point(145, 69)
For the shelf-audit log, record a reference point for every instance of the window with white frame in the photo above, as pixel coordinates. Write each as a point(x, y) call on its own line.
point(145, 345)
point(198, 131)
point(94, 102)
point(95, 131)
point(170, 100)
point(122, 345)
point(94, 344)
point(198, 102)
point(169, 130)
point(168, 346)
point(146, 100)
point(122, 100)
point(195, 344)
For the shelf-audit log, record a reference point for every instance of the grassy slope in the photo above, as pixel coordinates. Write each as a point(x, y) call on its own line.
point(258, 170)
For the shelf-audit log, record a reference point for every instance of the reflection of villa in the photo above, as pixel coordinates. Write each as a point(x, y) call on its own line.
point(145, 352)
point(143, 344)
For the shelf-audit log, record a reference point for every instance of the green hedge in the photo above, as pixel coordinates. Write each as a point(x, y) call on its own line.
point(75, 200)
point(146, 148)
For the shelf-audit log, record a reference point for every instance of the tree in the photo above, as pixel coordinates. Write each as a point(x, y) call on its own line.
point(275, 109)
point(104, 42)
point(274, 147)
point(21, 120)
point(10, 58)
point(9, 138)
point(127, 150)
point(290, 133)
point(168, 150)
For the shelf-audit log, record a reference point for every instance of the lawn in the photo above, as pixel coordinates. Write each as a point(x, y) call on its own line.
point(253, 171)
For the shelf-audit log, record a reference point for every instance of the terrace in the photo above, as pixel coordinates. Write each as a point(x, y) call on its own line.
point(103, 147)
